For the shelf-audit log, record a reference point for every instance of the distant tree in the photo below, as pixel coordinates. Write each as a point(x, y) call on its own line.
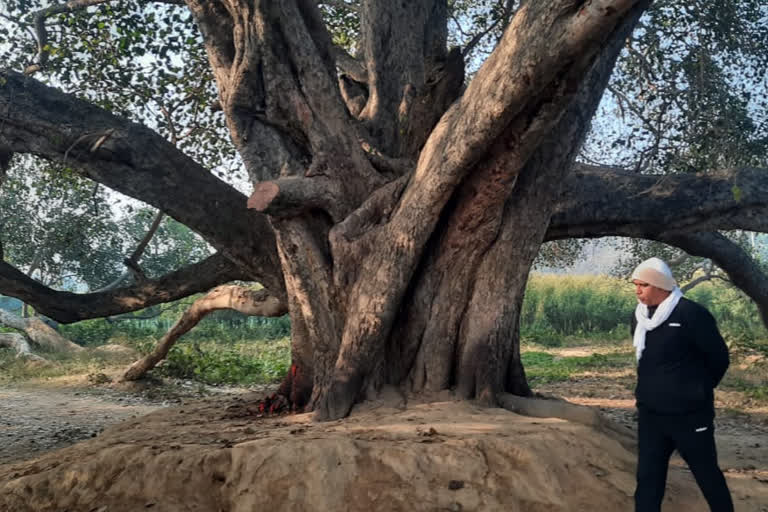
point(61, 236)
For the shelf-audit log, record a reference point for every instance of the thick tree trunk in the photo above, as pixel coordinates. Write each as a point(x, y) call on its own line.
point(400, 216)
point(237, 298)
point(39, 333)
point(443, 257)
point(463, 316)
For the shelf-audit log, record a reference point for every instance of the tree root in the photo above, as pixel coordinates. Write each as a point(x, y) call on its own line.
point(289, 398)
point(558, 408)
point(275, 404)
point(39, 333)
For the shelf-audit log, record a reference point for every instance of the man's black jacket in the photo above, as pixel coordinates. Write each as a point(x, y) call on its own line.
point(684, 359)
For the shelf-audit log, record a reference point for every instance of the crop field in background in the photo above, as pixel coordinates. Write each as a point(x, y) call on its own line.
point(558, 312)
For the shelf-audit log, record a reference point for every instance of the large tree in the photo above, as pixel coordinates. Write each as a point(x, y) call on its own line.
point(397, 204)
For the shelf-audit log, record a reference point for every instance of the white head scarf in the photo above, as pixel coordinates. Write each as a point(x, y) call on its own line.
point(656, 273)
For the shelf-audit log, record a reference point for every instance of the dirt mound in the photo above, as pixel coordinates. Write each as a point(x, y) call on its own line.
point(208, 457)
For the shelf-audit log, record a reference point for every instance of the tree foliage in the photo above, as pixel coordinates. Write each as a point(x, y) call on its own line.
point(58, 227)
point(64, 230)
point(690, 90)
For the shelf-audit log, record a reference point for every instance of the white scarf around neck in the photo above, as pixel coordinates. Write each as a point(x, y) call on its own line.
point(645, 324)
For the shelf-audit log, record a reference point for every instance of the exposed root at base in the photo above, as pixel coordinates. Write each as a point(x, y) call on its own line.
point(289, 398)
point(275, 404)
point(559, 408)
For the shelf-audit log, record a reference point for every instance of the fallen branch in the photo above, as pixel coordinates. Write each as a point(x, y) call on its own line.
point(19, 343)
point(238, 298)
point(39, 333)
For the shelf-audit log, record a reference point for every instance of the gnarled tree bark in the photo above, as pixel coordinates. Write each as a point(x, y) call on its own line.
point(350, 278)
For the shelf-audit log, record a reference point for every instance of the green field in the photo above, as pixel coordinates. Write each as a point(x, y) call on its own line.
point(558, 311)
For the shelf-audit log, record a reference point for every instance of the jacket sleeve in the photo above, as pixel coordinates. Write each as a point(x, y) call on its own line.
point(711, 344)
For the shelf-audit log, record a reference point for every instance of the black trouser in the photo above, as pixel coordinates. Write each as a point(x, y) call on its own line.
point(658, 437)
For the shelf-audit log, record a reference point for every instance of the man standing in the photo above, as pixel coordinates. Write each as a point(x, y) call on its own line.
point(681, 358)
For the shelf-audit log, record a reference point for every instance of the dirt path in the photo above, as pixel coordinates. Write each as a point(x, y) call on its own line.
point(34, 419)
point(741, 426)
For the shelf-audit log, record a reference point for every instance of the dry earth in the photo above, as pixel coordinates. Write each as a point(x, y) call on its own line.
point(741, 423)
point(214, 455)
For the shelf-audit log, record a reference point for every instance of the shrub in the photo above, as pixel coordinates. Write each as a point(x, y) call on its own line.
point(89, 332)
point(242, 363)
point(580, 305)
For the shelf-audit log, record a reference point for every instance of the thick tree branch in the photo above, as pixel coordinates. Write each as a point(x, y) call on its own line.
point(399, 41)
point(679, 210)
point(237, 298)
point(69, 307)
point(349, 65)
point(136, 161)
point(603, 201)
point(498, 288)
point(494, 99)
point(279, 90)
point(743, 271)
point(289, 197)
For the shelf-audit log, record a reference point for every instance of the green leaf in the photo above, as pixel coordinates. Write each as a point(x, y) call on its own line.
point(737, 194)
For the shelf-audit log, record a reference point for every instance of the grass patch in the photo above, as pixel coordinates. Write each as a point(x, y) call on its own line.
point(545, 368)
point(567, 310)
point(14, 369)
point(237, 363)
point(240, 363)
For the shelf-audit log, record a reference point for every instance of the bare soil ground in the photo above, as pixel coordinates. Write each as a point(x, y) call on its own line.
point(212, 454)
point(741, 424)
point(46, 414)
